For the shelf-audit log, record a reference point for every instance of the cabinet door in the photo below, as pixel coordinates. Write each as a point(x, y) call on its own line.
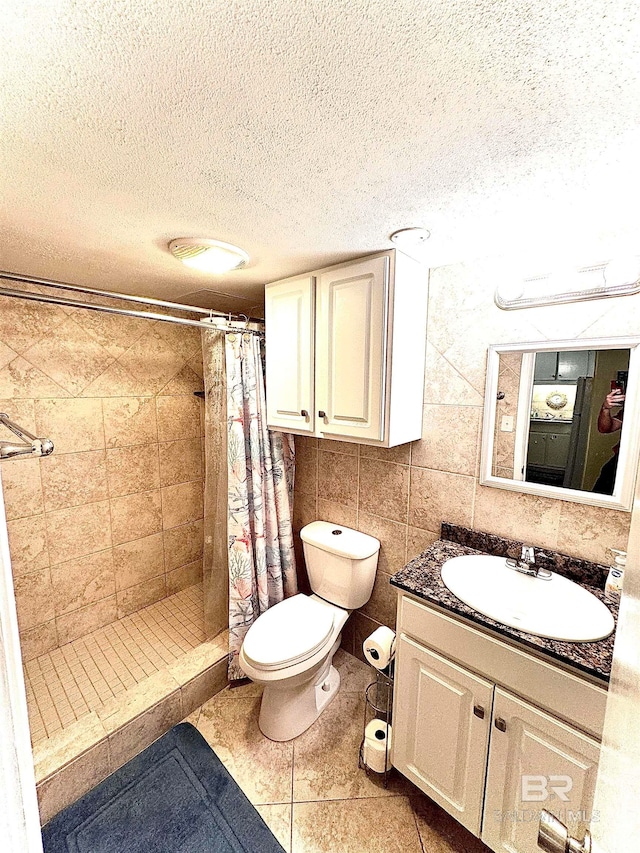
point(289, 318)
point(546, 367)
point(536, 763)
point(558, 449)
point(572, 365)
point(351, 335)
point(537, 448)
point(441, 721)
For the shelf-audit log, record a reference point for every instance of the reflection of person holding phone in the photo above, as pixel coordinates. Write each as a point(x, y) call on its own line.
point(610, 423)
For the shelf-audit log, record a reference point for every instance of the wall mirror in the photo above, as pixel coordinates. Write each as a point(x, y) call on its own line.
point(561, 420)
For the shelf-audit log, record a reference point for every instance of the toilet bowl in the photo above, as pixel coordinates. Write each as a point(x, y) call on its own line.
point(290, 647)
point(290, 653)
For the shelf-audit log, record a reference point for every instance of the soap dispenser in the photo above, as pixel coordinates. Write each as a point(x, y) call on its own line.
point(615, 578)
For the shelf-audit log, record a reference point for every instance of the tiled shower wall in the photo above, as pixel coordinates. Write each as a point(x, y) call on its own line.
point(112, 521)
point(401, 495)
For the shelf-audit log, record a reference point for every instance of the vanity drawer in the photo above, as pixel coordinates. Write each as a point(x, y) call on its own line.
point(573, 699)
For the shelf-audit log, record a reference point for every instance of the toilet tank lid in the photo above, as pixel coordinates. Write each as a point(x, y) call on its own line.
point(340, 540)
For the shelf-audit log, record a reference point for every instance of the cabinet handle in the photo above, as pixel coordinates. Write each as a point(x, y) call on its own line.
point(478, 710)
point(304, 413)
point(322, 414)
point(500, 724)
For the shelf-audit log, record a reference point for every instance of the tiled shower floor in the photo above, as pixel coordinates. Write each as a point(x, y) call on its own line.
point(68, 683)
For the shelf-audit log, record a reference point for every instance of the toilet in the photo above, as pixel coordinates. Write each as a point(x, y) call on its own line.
point(290, 647)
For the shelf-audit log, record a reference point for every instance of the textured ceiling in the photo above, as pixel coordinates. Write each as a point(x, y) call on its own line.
point(307, 131)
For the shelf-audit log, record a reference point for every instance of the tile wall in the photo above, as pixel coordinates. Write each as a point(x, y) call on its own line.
point(504, 443)
point(112, 521)
point(401, 495)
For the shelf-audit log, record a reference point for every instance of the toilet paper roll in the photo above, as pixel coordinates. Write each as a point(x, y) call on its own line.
point(377, 746)
point(379, 648)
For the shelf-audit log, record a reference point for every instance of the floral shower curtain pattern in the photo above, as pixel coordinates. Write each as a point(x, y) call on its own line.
point(261, 464)
point(215, 571)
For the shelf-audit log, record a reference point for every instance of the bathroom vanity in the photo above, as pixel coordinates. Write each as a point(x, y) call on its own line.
point(491, 723)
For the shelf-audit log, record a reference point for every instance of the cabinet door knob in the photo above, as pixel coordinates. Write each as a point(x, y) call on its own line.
point(478, 710)
point(322, 414)
point(304, 413)
point(500, 724)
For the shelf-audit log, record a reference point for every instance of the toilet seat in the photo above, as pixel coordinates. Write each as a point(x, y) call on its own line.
point(288, 633)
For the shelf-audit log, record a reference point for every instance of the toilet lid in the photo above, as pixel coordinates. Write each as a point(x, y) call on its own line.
point(288, 633)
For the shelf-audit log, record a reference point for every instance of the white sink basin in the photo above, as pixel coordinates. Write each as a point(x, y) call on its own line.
point(558, 608)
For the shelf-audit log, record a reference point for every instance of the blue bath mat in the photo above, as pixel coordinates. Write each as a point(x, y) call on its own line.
point(175, 797)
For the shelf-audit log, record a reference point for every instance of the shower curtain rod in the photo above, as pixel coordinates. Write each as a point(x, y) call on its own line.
point(109, 294)
point(107, 309)
point(127, 312)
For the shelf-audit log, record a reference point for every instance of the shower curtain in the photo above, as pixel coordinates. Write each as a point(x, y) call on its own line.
point(248, 506)
point(214, 567)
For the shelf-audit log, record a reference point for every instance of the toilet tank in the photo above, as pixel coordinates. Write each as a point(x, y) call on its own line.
point(341, 563)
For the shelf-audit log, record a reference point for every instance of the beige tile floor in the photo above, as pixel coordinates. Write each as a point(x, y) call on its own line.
point(72, 681)
point(311, 792)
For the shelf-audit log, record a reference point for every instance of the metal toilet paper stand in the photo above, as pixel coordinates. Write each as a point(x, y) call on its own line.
point(378, 704)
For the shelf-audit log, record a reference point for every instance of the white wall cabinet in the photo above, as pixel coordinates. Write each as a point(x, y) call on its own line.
point(289, 363)
point(351, 349)
point(488, 757)
point(345, 351)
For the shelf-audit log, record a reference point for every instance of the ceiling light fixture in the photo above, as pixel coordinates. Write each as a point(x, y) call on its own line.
point(410, 238)
point(211, 256)
point(620, 277)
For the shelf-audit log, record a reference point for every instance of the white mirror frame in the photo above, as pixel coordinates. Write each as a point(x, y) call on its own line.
point(622, 497)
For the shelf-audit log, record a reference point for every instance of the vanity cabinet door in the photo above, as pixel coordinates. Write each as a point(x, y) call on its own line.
point(537, 448)
point(535, 762)
point(352, 310)
point(441, 730)
point(289, 319)
point(557, 449)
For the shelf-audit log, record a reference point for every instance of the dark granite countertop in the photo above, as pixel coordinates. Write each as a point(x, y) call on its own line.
point(421, 577)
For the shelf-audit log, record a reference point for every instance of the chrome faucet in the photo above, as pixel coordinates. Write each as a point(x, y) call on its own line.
point(527, 564)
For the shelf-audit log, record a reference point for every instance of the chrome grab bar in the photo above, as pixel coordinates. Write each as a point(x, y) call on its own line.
point(31, 445)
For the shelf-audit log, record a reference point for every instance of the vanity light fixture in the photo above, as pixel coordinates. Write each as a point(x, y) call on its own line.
point(211, 256)
point(620, 277)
